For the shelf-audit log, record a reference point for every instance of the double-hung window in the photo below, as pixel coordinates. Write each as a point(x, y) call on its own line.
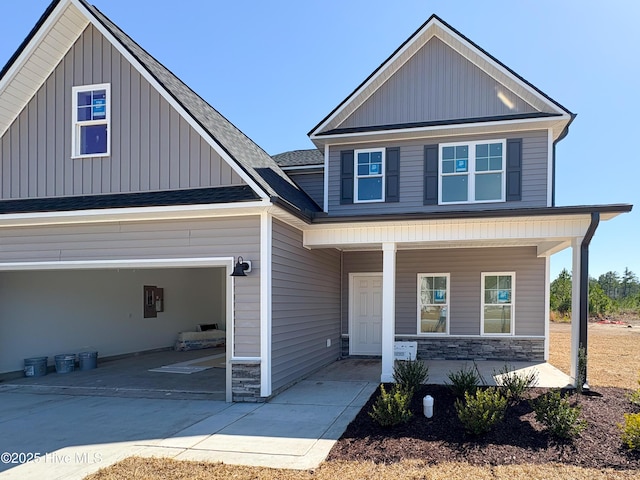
point(91, 117)
point(472, 172)
point(433, 303)
point(369, 178)
point(498, 303)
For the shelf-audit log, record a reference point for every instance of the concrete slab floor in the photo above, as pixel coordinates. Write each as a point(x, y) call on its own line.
point(130, 377)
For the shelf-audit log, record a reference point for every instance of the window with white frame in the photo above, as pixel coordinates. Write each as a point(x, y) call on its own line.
point(498, 291)
point(472, 172)
point(369, 177)
point(433, 303)
point(90, 132)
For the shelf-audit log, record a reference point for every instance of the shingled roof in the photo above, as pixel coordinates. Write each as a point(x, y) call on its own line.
point(249, 156)
point(300, 158)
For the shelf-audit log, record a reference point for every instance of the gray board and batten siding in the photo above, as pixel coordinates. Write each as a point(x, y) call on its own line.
point(534, 175)
point(465, 267)
point(436, 84)
point(305, 306)
point(167, 239)
point(152, 147)
point(312, 183)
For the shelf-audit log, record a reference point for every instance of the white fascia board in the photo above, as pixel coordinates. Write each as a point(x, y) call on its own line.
point(550, 170)
point(13, 73)
point(460, 129)
point(163, 92)
point(133, 214)
point(201, 262)
point(302, 167)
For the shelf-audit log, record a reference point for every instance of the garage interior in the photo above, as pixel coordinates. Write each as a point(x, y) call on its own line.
point(53, 312)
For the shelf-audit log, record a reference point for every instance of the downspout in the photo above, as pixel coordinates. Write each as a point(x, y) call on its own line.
point(584, 287)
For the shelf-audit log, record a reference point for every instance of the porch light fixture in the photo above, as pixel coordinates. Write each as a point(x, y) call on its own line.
point(241, 268)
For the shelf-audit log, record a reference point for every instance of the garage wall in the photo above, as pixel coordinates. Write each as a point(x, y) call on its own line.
point(48, 312)
point(220, 237)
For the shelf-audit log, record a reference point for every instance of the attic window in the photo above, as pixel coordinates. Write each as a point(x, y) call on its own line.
point(90, 130)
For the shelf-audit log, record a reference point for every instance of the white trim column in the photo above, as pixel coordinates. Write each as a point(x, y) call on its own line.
point(266, 229)
point(388, 309)
point(547, 305)
point(575, 305)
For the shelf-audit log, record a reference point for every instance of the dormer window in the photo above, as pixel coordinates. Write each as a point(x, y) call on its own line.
point(90, 130)
point(472, 172)
point(369, 178)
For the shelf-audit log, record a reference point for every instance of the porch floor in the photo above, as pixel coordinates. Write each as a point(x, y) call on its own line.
point(370, 369)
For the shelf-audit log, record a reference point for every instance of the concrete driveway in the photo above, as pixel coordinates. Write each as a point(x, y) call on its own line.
point(69, 436)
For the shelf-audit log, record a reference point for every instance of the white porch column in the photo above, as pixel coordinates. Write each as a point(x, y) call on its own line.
point(575, 305)
point(388, 309)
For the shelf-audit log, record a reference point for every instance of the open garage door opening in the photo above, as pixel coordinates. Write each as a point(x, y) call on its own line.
point(169, 344)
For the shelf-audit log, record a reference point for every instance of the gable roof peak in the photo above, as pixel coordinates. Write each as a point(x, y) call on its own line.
point(480, 58)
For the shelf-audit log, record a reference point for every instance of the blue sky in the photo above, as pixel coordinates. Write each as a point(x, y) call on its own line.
point(275, 69)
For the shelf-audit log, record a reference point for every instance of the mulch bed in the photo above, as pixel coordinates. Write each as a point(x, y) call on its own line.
point(518, 439)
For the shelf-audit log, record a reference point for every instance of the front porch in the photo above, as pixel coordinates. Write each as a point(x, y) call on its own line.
point(360, 369)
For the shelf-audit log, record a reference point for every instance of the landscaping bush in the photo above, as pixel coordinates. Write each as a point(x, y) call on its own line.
point(392, 408)
point(410, 374)
point(481, 411)
point(631, 430)
point(556, 413)
point(512, 384)
point(465, 380)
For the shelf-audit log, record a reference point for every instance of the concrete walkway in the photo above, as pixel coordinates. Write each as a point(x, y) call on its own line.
point(74, 435)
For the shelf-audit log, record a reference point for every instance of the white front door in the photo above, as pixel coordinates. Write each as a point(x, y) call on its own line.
point(365, 330)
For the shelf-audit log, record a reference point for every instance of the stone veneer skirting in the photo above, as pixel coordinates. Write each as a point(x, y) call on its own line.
point(245, 382)
point(472, 348)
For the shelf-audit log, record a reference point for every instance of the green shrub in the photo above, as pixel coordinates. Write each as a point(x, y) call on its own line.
point(392, 408)
point(465, 380)
point(631, 430)
point(481, 411)
point(410, 374)
point(556, 413)
point(513, 384)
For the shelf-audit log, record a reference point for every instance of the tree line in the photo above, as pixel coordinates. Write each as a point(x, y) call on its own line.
point(608, 294)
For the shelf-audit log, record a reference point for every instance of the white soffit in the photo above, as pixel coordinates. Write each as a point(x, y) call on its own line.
point(39, 58)
point(489, 231)
point(436, 28)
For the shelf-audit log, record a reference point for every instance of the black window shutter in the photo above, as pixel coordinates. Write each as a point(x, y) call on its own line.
point(346, 177)
point(514, 169)
point(431, 175)
point(392, 187)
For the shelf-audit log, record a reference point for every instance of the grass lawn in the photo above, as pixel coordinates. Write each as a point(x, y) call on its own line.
point(613, 362)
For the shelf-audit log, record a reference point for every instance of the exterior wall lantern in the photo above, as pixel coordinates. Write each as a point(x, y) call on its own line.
point(242, 268)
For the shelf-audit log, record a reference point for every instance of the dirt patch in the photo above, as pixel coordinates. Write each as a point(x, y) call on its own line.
point(613, 353)
point(517, 440)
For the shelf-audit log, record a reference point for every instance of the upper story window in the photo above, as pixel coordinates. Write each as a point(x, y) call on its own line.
point(369, 177)
point(90, 130)
point(472, 172)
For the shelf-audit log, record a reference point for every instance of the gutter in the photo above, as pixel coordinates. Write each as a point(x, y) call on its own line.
point(584, 289)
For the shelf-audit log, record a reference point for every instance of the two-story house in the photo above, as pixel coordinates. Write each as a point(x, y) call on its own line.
point(426, 212)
